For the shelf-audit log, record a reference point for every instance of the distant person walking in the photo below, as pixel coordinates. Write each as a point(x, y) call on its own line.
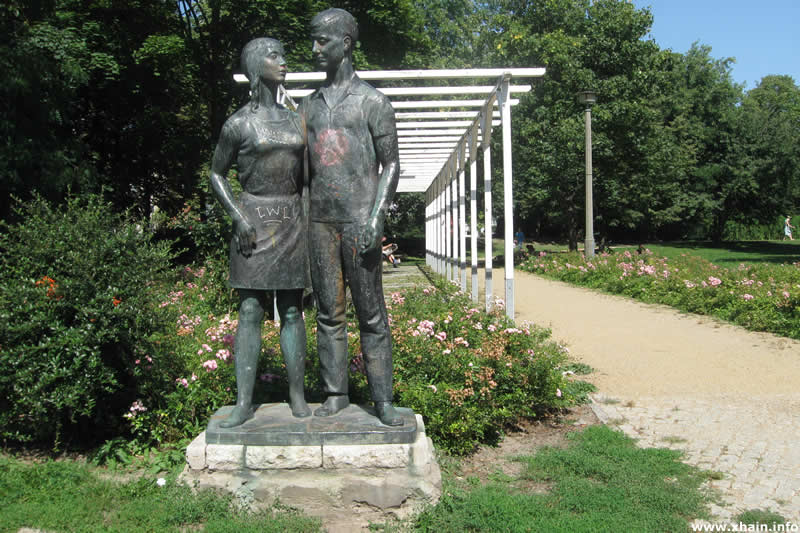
point(787, 228)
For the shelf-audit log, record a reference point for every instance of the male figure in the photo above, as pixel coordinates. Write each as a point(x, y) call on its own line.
point(351, 131)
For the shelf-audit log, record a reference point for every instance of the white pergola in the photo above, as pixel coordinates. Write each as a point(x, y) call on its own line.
point(442, 131)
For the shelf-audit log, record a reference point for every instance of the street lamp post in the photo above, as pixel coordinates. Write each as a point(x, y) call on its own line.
point(588, 98)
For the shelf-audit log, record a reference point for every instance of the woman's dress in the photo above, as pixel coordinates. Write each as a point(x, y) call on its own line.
point(270, 162)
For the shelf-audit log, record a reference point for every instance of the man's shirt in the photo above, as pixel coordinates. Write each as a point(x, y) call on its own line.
point(341, 146)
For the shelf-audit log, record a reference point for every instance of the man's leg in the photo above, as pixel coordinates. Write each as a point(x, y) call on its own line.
point(327, 278)
point(246, 349)
point(364, 273)
point(293, 346)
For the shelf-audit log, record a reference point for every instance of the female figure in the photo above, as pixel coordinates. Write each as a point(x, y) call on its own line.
point(787, 228)
point(268, 249)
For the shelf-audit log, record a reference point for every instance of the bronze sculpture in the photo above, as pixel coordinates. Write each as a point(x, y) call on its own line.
point(351, 134)
point(268, 249)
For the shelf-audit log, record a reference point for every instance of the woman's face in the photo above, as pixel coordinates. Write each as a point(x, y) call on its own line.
point(273, 65)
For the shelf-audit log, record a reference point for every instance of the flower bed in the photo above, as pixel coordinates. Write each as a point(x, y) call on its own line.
point(470, 373)
point(760, 297)
point(467, 372)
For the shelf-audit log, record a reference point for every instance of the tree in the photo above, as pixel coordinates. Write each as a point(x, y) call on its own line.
point(128, 97)
point(598, 45)
point(406, 217)
point(44, 68)
point(699, 113)
point(766, 137)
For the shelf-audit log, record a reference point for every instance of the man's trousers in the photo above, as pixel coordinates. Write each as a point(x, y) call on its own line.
point(335, 261)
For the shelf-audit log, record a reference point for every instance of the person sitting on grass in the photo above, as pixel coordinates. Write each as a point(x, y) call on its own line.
point(388, 252)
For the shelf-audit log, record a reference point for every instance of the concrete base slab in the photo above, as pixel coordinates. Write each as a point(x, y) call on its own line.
point(331, 481)
point(274, 425)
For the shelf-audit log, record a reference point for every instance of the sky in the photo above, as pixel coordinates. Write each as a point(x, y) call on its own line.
point(762, 35)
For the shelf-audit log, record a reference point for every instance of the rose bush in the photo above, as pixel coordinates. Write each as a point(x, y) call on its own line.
point(469, 373)
point(760, 297)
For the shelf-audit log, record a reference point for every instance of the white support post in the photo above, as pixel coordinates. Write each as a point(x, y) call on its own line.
point(434, 225)
point(508, 209)
point(447, 232)
point(428, 227)
point(454, 223)
point(486, 131)
point(441, 254)
point(473, 208)
point(462, 220)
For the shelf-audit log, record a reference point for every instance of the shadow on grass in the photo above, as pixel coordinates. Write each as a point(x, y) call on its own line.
point(727, 253)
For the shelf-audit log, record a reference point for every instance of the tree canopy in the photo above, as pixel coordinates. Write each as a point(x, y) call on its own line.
point(127, 98)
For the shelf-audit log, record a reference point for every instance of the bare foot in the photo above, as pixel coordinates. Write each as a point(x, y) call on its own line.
point(332, 405)
point(300, 408)
point(388, 414)
point(238, 416)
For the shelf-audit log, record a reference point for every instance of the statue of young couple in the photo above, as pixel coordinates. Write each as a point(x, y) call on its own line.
point(348, 128)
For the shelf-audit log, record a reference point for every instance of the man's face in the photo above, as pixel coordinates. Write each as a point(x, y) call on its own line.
point(329, 46)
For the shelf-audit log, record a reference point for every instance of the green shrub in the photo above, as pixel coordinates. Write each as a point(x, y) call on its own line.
point(753, 231)
point(77, 310)
point(201, 227)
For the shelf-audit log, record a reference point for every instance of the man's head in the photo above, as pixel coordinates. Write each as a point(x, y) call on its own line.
point(334, 33)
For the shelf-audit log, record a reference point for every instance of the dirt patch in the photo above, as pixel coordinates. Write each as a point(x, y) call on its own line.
point(527, 438)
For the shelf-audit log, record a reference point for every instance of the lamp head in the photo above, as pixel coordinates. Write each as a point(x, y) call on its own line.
point(587, 97)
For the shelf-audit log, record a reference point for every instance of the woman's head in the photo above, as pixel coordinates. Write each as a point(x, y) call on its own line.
point(263, 60)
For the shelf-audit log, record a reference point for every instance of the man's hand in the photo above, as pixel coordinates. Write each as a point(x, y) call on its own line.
point(245, 235)
point(371, 236)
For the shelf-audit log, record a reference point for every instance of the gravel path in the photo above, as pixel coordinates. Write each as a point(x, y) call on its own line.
point(727, 397)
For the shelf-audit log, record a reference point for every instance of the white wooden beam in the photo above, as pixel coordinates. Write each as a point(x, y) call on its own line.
point(441, 114)
point(464, 124)
point(430, 133)
point(433, 139)
point(426, 91)
point(427, 104)
point(431, 74)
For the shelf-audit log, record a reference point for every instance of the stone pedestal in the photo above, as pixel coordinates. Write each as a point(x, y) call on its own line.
point(332, 467)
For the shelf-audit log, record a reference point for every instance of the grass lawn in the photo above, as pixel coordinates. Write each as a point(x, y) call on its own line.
point(600, 482)
point(730, 254)
point(70, 495)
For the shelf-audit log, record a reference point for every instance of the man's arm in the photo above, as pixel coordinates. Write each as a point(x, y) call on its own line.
point(389, 157)
point(224, 155)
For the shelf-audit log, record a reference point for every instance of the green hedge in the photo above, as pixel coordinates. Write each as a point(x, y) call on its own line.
point(76, 311)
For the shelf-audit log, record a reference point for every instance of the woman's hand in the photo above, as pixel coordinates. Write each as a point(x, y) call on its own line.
point(245, 235)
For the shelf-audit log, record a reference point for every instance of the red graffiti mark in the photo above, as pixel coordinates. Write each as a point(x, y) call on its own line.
point(331, 147)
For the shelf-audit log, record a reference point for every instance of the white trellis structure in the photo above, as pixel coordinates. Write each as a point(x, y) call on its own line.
point(439, 153)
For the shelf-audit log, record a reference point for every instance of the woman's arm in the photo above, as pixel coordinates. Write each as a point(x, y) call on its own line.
point(224, 155)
